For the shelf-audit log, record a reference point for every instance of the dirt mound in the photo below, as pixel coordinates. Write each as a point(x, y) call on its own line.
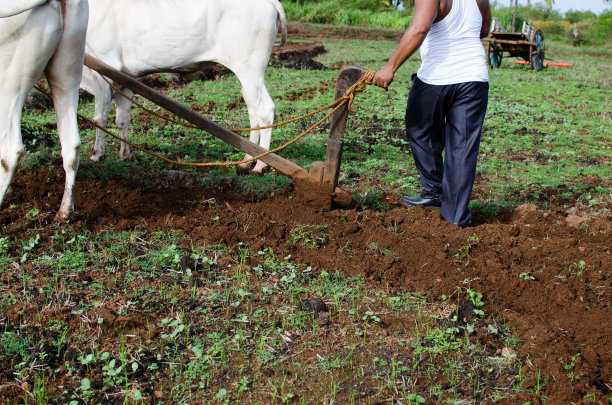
point(297, 29)
point(544, 272)
point(298, 55)
point(292, 55)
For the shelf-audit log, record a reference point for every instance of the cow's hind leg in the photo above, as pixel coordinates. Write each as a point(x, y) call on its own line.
point(123, 121)
point(102, 104)
point(65, 100)
point(11, 145)
point(261, 113)
point(64, 75)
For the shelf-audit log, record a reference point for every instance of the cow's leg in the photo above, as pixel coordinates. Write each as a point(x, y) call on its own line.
point(65, 100)
point(64, 75)
point(123, 121)
point(22, 60)
point(261, 114)
point(102, 109)
point(11, 145)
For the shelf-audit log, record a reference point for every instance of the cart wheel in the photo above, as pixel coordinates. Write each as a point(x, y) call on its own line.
point(537, 60)
point(495, 55)
point(537, 53)
point(538, 38)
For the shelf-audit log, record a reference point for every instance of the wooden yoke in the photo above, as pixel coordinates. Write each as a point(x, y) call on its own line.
point(325, 174)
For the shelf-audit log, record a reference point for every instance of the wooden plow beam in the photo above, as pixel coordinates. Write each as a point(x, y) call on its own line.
point(318, 186)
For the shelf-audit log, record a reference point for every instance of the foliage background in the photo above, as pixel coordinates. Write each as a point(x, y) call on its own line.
point(592, 29)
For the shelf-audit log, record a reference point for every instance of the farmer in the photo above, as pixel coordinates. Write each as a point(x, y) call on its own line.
point(447, 102)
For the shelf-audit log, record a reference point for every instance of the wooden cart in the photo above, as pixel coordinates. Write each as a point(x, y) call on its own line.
point(527, 44)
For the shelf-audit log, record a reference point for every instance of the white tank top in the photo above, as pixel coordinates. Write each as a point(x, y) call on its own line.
point(452, 52)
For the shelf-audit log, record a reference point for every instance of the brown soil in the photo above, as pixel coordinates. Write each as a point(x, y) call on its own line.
point(564, 311)
point(292, 55)
point(295, 29)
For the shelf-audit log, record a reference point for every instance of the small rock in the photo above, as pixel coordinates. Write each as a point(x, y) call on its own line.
point(314, 305)
point(509, 354)
point(525, 208)
point(574, 220)
point(172, 176)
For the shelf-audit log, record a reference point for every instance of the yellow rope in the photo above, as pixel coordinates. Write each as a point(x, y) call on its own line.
point(369, 73)
point(348, 97)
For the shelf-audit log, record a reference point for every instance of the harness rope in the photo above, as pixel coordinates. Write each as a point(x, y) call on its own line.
point(348, 97)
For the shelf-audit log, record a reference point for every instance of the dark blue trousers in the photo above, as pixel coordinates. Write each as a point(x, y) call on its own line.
point(447, 118)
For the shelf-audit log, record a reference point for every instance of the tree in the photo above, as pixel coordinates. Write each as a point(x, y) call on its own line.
point(549, 3)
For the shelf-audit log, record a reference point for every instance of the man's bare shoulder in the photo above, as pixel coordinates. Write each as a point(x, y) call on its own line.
point(483, 5)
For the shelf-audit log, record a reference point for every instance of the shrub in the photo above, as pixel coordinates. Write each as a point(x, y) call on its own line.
point(389, 20)
point(601, 31)
point(370, 5)
point(323, 13)
point(351, 12)
point(351, 17)
point(575, 16)
point(552, 28)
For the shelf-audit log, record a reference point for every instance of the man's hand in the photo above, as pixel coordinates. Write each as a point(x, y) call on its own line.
point(384, 77)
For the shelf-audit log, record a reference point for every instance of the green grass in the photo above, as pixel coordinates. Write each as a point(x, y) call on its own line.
point(118, 315)
point(592, 29)
point(544, 131)
point(346, 13)
point(147, 328)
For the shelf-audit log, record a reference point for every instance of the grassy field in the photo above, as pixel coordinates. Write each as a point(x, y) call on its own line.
point(543, 131)
point(141, 316)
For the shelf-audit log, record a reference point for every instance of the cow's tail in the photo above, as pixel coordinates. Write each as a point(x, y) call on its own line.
point(281, 22)
point(9, 8)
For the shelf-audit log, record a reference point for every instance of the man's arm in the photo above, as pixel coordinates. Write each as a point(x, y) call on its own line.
point(425, 12)
point(485, 10)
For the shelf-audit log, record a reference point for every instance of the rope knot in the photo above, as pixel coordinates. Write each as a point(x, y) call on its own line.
point(359, 87)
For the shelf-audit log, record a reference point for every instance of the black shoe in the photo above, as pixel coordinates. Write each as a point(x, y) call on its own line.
point(419, 201)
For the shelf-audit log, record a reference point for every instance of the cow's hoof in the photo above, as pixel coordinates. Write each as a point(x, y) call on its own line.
point(260, 169)
point(125, 156)
point(260, 172)
point(62, 216)
point(96, 158)
point(245, 168)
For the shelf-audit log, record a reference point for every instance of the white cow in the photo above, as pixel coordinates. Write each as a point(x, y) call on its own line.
point(41, 37)
point(140, 37)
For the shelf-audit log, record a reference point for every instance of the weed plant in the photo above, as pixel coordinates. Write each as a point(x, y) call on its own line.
point(146, 329)
point(591, 28)
point(544, 131)
point(119, 316)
